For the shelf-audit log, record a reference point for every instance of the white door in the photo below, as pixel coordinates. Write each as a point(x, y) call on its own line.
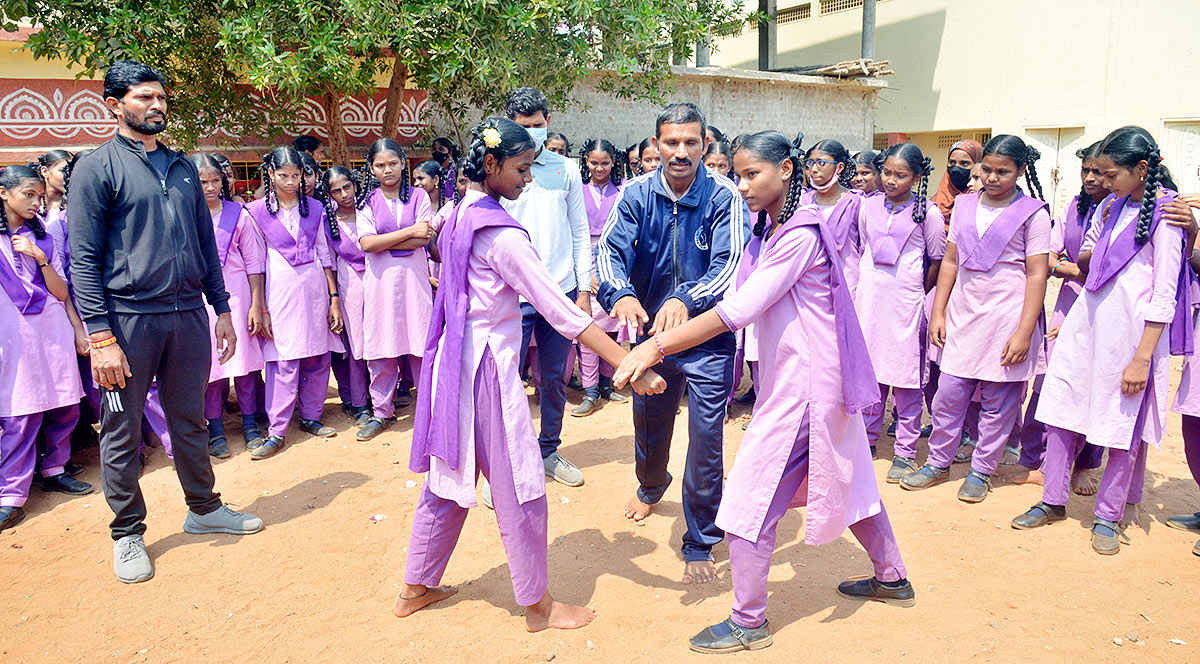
point(1058, 169)
point(1181, 154)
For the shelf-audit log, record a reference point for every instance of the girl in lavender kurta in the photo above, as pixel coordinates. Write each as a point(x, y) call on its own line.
point(601, 189)
point(393, 231)
point(988, 314)
point(1066, 244)
point(1109, 375)
point(39, 377)
point(807, 444)
point(243, 254)
point(337, 191)
point(830, 171)
point(1187, 397)
point(902, 232)
point(303, 315)
point(472, 414)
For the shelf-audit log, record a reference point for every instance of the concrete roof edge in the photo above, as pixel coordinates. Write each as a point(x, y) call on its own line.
point(865, 84)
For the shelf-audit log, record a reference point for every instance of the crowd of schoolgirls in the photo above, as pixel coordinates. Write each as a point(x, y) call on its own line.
point(856, 285)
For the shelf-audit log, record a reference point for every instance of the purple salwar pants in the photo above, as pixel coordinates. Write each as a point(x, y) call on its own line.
point(591, 367)
point(908, 405)
point(438, 522)
point(1191, 445)
point(288, 381)
point(751, 561)
point(999, 409)
point(385, 376)
point(1124, 474)
point(353, 379)
point(1033, 441)
point(214, 396)
point(18, 450)
point(155, 418)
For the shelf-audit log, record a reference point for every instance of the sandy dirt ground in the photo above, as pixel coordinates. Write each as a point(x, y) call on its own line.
point(319, 583)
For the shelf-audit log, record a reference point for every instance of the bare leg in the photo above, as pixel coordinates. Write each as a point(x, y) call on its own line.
point(1084, 482)
point(550, 614)
point(637, 510)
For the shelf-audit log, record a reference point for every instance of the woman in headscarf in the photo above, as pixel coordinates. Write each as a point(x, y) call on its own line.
point(963, 155)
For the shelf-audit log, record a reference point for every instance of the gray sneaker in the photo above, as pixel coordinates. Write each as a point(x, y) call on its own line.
point(221, 520)
point(561, 470)
point(130, 560)
point(485, 495)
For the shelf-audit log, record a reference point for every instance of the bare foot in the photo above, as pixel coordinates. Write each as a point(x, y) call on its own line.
point(1018, 474)
point(1083, 482)
point(548, 613)
point(699, 571)
point(637, 510)
point(1133, 518)
point(414, 598)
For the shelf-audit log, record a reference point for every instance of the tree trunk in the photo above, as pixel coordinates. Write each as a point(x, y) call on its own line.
point(339, 153)
point(395, 97)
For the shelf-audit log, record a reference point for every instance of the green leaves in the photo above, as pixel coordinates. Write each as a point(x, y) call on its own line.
point(246, 65)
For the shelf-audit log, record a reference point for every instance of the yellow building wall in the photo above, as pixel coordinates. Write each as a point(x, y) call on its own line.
point(1018, 66)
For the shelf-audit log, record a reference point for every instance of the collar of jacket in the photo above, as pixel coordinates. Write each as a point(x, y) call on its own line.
point(692, 197)
point(140, 147)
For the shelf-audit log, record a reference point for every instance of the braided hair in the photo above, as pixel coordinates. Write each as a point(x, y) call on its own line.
point(513, 141)
point(1128, 147)
point(775, 148)
point(873, 161)
point(227, 168)
point(631, 170)
point(11, 178)
point(67, 170)
point(1084, 202)
point(451, 149)
point(202, 161)
point(460, 168)
point(285, 155)
point(367, 180)
point(919, 164)
point(641, 148)
point(1007, 145)
point(433, 169)
point(47, 162)
point(839, 153)
point(554, 135)
point(599, 145)
point(327, 201)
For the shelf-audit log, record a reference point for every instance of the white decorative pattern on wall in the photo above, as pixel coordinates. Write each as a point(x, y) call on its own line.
point(24, 113)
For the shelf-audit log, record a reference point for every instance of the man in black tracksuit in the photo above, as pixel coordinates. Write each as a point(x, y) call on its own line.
point(142, 255)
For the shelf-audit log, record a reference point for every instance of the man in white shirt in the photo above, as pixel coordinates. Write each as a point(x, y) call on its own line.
point(552, 209)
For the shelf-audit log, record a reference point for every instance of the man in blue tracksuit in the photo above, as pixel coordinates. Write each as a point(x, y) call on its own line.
point(670, 249)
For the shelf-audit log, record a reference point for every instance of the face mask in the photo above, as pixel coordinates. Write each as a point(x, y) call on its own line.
point(959, 177)
point(828, 186)
point(538, 134)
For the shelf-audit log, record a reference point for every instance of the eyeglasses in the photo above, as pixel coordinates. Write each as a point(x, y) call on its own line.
point(809, 163)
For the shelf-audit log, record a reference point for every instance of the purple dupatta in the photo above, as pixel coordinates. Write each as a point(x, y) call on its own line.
point(980, 253)
point(843, 218)
point(888, 243)
point(296, 250)
point(24, 286)
point(860, 390)
point(226, 224)
point(435, 423)
point(385, 219)
point(346, 248)
point(1110, 258)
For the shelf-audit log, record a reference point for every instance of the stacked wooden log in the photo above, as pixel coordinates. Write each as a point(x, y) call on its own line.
point(846, 69)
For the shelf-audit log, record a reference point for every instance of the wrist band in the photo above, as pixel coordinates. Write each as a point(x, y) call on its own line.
point(659, 344)
point(42, 266)
point(332, 295)
point(104, 342)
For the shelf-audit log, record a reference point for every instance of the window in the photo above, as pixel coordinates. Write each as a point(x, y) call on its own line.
point(831, 6)
point(946, 140)
point(881, 142)
point(983, 136)
point(797, 13)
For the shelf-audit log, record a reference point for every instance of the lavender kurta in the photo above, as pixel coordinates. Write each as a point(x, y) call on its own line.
point(788, 298)
point(56, 227)
point(396, 289)
point(502, 266)
point(247, 255)
point(1082, 388)
point(890, 299)
point(599, 203)
point(985, 307)
point(1187, 397)
point(297, 297)
point(38, 366)
point(350, 284)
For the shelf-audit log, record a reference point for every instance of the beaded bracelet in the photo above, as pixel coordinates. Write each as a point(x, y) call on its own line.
point(659, 344)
